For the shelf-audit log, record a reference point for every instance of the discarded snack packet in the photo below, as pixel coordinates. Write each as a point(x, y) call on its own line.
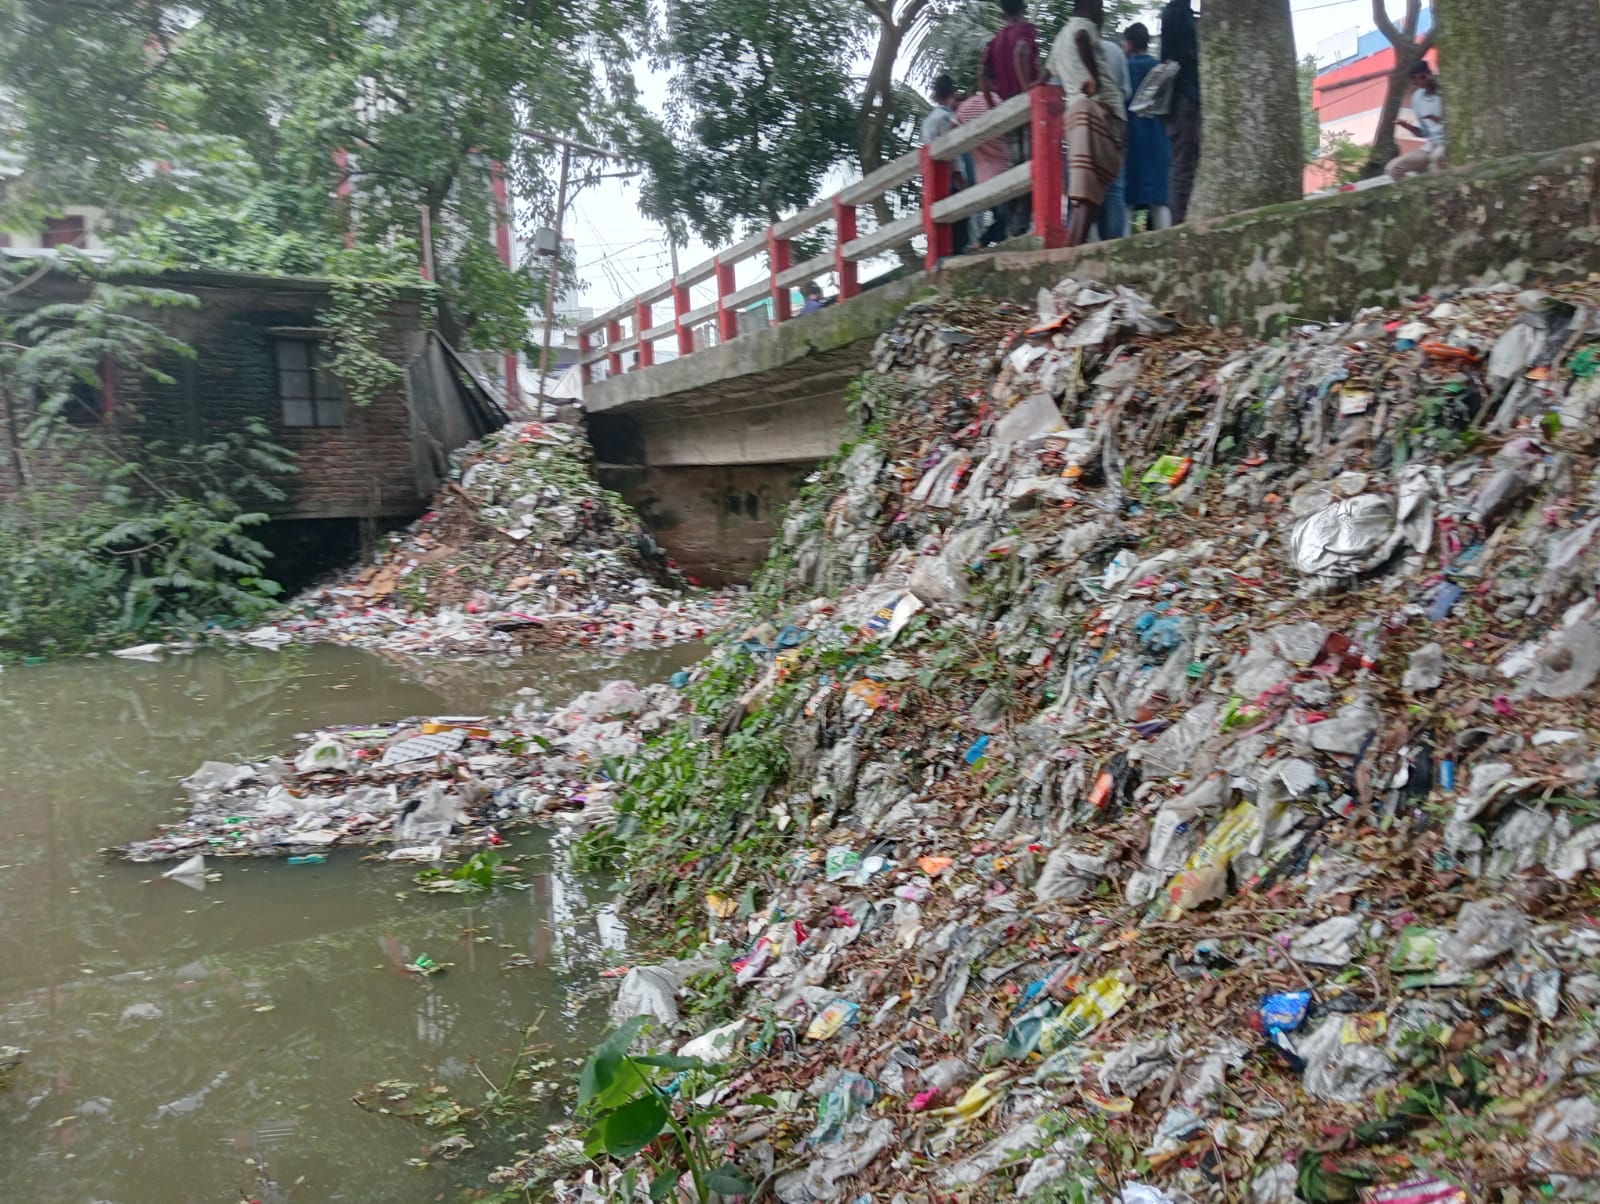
point(1285, 1012)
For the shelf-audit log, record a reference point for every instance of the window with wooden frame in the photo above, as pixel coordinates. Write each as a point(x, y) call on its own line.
point(64, 232)
point(309, 393)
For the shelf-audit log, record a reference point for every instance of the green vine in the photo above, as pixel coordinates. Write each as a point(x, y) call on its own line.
point(355, 314)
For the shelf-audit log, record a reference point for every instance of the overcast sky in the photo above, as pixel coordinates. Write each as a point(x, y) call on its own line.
point(620, 253)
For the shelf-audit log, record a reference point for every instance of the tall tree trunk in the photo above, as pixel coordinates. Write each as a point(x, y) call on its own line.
point(877, 100)
point(1518, 77)
point(1384, 146)
point(1407, 50)
point(19, 468)
point(1251, 147)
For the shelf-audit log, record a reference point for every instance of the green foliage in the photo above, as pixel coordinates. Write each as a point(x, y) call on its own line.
point(762, 106)
point(478, 874)
point(1347, 156)
point(266, 112)
point(355, 314)
point(632, 1111)
point(1310, 126)
point(112, 535)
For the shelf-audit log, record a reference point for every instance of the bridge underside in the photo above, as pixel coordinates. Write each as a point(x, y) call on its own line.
point(710, 447)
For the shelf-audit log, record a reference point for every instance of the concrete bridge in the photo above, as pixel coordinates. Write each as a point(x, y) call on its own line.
point(710, 446)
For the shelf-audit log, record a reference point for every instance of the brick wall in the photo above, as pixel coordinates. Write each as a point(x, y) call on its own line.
point(362, 469)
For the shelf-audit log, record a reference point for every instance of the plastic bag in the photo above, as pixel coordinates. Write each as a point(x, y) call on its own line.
point(1424, 668)
point(616, 699)
point(216, 776)
point(1032, 416)
point(325, 753)
point(1328, 943)
point(1348, 536)
point(1173, 752)
point(1204, 876)
point(1068, 874)
point(1336, 1069)
point(1099, 1001)
point(1486, 930)
point(1568, 663)
point(819, 1179)
point(850, 1094)
point(647, 991)
point(429, 818)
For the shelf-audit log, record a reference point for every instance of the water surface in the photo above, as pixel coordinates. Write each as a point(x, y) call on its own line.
point(182, 1041)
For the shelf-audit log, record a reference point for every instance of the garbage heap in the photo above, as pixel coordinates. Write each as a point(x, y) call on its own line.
point(521, 548)
point(425, 790)
point(1189, 777)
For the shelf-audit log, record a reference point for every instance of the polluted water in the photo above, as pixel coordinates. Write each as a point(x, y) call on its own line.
point(160, 1044)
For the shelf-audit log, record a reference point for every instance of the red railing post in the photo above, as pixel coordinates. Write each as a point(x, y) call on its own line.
point(613, 337)
point(1049, 170)
point(844, 228)
point(780, 258)
point(585, 368)
point(680, 306)
point(727, 319)
point(935, 187)
point(642, 321)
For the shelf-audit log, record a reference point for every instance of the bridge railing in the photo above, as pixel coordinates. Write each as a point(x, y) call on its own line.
point(637, 325)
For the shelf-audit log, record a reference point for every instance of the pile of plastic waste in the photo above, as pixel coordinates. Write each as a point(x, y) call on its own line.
point(522, 548)
point(1192, 765)
point(422, 790)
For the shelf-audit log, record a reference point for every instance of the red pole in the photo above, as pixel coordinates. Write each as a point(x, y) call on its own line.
point(642, 322)
point(780, 258)
point(727, 319)
point(680, 306)
point(427, 242)
point(1049, 170)
point(844, 226)
point(585, 368)
point(935, 187)
point(613, 337)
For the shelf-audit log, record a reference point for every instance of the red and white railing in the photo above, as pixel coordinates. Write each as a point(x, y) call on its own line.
point(632, 326)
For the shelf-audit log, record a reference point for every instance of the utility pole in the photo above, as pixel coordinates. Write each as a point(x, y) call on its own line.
point(555, 265)
point(568, 147)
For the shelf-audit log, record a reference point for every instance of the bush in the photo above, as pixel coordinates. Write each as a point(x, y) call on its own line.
point(111, 536)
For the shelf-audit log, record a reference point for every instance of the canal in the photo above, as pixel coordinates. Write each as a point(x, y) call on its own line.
point(203, 1046)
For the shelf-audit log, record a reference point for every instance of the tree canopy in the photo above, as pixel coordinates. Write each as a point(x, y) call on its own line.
point(221, 129)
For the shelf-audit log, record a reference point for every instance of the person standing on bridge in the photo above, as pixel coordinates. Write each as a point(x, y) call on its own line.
point(1147, 163)
point(814, 301)
point(986, 162)
point(941, 119)
point(1097, 115)
point(1180, 43)
point(1112, 221)
point(1010, 66)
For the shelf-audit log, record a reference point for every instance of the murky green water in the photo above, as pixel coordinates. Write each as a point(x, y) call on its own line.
point(176, 1035)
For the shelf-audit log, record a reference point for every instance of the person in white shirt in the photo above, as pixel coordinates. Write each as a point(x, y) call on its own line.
point(1097, 115)
point(1429, 126)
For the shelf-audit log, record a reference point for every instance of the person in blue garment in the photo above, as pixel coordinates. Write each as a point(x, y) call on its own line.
point(1148, 162)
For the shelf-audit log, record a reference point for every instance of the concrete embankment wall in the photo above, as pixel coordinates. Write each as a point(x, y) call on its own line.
point(767, 406)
